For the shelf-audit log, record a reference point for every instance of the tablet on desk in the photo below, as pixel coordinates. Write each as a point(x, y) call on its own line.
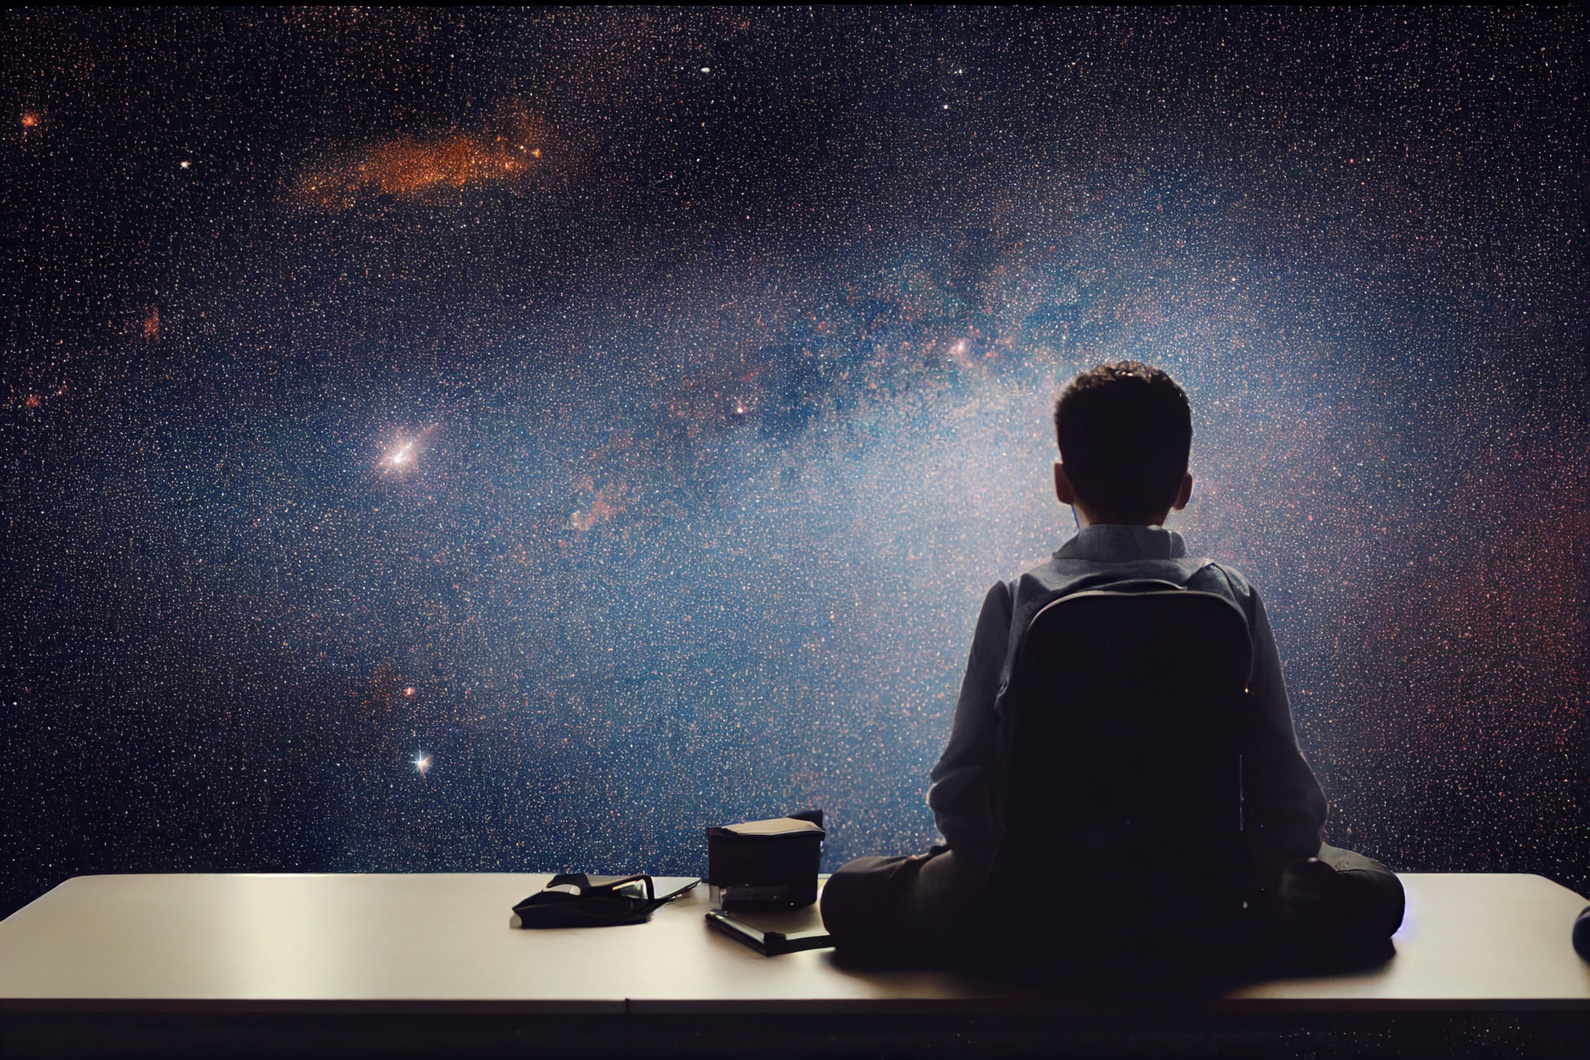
point(771, 933)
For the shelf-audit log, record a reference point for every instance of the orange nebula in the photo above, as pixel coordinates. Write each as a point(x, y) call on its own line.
point(608, 502)
point(408, 167)
point(151, 325)
point(30, 119)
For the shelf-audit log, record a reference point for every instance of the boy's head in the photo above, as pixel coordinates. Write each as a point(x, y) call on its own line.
point(1125, 431)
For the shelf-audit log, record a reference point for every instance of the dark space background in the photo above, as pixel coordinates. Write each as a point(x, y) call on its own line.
point(489, 440)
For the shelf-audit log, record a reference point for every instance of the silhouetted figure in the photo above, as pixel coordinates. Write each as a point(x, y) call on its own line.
point(1122, 795)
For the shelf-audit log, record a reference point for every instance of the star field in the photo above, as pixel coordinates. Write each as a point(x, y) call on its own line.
point(499, 440)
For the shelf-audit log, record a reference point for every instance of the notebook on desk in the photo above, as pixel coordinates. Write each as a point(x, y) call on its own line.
point(771, 933)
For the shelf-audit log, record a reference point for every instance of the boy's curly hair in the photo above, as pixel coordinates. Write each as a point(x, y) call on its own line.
point(1125, 432)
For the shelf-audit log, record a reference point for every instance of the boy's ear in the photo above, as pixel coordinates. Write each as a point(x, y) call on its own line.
point(1063, 490)
point(1184, 494)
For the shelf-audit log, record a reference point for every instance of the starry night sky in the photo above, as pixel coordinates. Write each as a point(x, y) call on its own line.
point(488, 440)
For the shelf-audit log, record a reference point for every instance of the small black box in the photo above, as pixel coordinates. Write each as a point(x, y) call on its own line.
point(769, 863)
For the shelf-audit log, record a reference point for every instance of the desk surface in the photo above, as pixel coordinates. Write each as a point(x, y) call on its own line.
point(441, 942)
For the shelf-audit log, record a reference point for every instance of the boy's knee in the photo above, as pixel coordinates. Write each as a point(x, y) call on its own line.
point(1342, 895)
point(1376, 899)
point(866, 904)
point(1370, 893)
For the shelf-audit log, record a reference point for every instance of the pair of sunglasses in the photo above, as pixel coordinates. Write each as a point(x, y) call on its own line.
point(574, 899)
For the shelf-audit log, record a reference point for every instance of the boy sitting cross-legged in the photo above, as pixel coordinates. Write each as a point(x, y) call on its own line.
point(1125, 434)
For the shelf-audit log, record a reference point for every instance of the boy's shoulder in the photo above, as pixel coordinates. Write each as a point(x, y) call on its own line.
point(1061, 574)
point(1218, 571)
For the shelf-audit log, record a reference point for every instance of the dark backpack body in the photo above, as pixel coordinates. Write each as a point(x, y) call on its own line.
point(1122, 859)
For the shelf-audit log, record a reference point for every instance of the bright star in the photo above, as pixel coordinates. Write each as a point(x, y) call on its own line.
point(406, 451)
point(401, 455)
point(422, 762)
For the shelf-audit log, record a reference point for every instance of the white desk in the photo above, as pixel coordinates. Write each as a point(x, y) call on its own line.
point(441, 943)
